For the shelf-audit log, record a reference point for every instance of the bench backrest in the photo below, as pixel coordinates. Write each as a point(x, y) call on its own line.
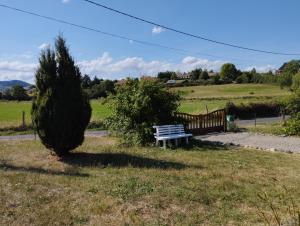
point(169, 130)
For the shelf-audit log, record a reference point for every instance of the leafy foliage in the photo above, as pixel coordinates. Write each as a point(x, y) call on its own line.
point(293, 125)
point(61, 111)
point(248, 111)
point(229, 72)
point(167, 75)
point(196, 74)
point(17, 92)
point(291, 67)
point(204, 75)
point(296, 82)
point(137, 107)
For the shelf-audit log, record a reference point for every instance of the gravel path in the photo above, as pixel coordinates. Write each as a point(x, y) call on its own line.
point(100, 133)
point(259, 141)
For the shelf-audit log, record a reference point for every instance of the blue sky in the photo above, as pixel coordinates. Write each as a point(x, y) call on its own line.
point(261, 24)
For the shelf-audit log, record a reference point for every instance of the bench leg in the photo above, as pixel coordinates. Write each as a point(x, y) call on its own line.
point(157, 142)
point(187, 140)
point(176, 142)
point(164, 144)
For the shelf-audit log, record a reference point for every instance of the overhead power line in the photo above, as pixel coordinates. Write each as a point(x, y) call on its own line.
point(178, 50)
point(189, 34)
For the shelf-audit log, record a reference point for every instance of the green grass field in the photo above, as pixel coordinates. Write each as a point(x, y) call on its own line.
point(11, 112)
point(104, 183)
point(232, 91)
point(195, 100)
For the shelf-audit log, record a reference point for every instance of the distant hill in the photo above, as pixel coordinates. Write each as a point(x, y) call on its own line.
point(8, 84)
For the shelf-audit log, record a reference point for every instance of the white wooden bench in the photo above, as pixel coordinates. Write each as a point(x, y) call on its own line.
point(170, 132)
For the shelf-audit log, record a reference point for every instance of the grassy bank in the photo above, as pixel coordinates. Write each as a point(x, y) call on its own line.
point(105, 184)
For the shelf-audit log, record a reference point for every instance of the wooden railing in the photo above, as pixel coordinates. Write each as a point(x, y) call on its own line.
point(204, 123)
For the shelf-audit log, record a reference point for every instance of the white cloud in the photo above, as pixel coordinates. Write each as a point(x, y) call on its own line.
point(65, 1)
point(264, 68)
point(107, 67)
point(10, 70)
point(44, 46)
point(137, 66)
point(157, 30)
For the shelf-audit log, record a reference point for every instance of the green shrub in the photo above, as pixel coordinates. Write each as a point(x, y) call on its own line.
point(252, 110)
point(242, 79)
point(293, 103)
point(293, 125)
point(296, 82)
point(61, 111)
point(137, 107)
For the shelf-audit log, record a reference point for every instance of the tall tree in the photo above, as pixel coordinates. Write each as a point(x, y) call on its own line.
point(19, 93)
point(291, 67)
point(61, 111)
point(204, 75)
point(229, 72)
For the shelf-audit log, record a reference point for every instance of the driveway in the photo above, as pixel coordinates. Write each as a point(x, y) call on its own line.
point(100, 133)
point(260, 121)
point(258, 141)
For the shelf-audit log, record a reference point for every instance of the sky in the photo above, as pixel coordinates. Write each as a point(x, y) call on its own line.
point(262, 24)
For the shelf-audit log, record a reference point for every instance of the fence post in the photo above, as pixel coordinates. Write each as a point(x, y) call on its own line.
point(283, 116)
point(224, 120)
point(23, 119)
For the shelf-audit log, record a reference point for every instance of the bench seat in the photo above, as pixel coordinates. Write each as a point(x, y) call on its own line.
point(173, 136)
point(170, 132)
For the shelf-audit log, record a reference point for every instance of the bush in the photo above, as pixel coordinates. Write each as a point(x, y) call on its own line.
point(293, 125)
point(242, 78)
point(293, 103)
point(19, 93)
point(251, 110)
point(137, 107)
point(61, 111)
point(296, 82)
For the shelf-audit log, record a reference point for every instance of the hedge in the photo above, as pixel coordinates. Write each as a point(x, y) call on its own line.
point(252, 110)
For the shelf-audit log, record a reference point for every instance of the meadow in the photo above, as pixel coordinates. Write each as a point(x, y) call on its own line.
point(103, 183)
point(195, 100)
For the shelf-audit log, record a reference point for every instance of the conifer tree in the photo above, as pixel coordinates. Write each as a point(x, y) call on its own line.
point(61, 110)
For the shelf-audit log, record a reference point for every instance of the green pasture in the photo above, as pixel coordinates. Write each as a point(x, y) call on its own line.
point(195, 100)
point(231, 91)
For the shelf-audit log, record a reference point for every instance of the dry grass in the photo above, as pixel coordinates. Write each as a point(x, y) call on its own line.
point(105, 184)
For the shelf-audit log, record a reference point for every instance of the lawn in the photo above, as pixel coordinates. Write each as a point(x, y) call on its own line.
point(106, 184)
point(195, 100)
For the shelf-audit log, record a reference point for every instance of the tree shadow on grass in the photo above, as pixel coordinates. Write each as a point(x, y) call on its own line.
point(199, 145)
point(120, 160)
point(9, 167)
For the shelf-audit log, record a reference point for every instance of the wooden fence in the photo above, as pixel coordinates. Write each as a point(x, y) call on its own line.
point(204, 123)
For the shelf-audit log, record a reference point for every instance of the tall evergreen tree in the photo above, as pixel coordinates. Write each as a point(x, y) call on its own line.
point(61, 110)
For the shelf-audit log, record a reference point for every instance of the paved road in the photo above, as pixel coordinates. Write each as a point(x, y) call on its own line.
point(259, 141)
point(260, 121)
point(100, 133)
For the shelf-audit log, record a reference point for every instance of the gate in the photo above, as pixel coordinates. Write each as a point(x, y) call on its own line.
point(204, 123)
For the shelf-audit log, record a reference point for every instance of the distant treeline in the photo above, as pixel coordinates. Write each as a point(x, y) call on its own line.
point(100, 88)
point(230, 74)
point(17, 92)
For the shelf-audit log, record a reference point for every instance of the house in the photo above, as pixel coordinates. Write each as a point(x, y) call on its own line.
point(183, 75)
